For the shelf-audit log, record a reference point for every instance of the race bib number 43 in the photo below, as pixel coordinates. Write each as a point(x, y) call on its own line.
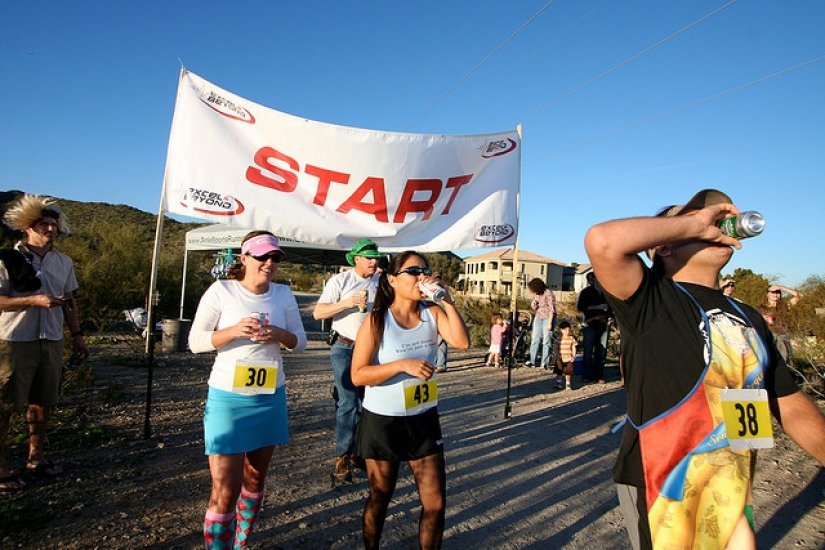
point(419, 395)
point(747, 419)
point(255, 377)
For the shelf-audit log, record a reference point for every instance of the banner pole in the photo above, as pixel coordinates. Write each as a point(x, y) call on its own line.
point(154, 298)
point(511, 360)
point(150, 323)
point(183, 279)
point(514, 292)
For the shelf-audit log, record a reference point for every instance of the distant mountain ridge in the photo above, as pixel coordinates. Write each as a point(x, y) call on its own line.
point(83, 215)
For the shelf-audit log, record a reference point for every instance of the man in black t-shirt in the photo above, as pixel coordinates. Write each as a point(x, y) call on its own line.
point(595, 314)
point(692, 358)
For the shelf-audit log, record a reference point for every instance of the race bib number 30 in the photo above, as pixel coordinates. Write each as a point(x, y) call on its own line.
point(420, 395)
point(255, 377)
point(747, 419)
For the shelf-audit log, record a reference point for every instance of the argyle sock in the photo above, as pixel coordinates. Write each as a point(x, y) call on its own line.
point(247, 508)
point(218, 530)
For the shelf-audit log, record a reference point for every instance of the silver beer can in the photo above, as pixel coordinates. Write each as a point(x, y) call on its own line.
point(747, 224)
point(431, 291)
point(261, 318)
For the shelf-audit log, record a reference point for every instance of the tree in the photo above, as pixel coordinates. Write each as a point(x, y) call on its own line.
point(448, 265)
point(112, 263)
point(750, 286)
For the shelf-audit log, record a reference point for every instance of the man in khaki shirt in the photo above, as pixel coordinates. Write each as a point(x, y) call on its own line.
point(33, 309)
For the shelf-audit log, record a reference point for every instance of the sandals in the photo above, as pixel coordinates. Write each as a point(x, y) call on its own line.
point(44, 469)
point(10, 483)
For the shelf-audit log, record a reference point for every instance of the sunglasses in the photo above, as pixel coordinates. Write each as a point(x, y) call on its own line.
point(275, 257)
point(731, 285)
point(415, 271)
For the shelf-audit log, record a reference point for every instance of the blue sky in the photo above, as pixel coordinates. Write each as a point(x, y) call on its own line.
point(627, 106)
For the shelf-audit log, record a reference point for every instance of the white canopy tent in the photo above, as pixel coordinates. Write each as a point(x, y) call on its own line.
point(222, 237)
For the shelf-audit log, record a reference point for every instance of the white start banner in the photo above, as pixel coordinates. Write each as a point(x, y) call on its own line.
point(236, 162)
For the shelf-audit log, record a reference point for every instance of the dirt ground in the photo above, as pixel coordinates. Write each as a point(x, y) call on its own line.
point(539, 478)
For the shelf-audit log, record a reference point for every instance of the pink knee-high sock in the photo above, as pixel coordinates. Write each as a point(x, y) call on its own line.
point(247, 508)
point(218, 530)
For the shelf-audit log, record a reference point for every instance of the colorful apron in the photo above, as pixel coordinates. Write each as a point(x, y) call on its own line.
point(697, 487)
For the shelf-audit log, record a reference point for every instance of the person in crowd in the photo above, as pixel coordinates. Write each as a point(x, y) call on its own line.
point(393, 358)
point(566, 356)
point(441, 356)
point(684, 475)
point(728, 286)
point(347, 298)
point(248, 319)
point(37, 285)
point(596, 315)
point(497, 329)
point(776, 312)
point(544, 308)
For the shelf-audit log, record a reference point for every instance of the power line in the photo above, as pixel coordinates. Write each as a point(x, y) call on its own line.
point(536, 52)
point(683, 108)
point(614, 68)
point(480, 63)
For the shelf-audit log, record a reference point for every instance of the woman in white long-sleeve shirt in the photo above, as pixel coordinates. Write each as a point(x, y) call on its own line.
point(247, 319)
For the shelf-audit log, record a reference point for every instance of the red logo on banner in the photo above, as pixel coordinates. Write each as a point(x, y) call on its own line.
point(498, 148)
point(228, 108)
point(494, 233)
point(204, 201)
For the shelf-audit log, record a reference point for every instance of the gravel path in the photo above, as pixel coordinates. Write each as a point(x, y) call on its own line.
point(538, 479)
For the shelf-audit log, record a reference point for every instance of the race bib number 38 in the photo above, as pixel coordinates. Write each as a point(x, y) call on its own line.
point(420, 395)
point(255, 377)
point(747, 419)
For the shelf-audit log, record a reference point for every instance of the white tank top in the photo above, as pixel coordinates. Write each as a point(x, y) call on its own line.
point(420, 342)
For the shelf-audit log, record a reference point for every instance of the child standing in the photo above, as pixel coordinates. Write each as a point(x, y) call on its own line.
point(566, 356)
point(496, 335)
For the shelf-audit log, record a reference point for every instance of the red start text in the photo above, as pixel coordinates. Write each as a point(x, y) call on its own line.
point(419, 195)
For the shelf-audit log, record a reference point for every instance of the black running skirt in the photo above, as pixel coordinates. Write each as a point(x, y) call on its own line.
point(399, 438)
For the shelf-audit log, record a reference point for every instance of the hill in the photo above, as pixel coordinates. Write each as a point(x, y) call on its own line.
point(111, 245)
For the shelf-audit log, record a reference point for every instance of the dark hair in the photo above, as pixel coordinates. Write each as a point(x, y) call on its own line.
point(385, 295)
point(237, 270)
point(49, 213)
point(537, 286)
point(564, 324)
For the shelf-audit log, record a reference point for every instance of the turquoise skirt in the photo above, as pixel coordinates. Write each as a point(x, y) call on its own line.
point(234, 423)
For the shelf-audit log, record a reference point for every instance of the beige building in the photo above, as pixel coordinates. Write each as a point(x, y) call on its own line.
point(492, 273)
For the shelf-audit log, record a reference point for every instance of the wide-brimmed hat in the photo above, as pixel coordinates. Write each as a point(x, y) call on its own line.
point(262, 245)
point(702, 199)
point(366, 248)
point(26, 211)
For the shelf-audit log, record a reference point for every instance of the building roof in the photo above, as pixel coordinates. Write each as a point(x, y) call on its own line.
point(523, 256)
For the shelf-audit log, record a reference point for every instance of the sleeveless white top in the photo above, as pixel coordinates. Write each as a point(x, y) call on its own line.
point(420, 342)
